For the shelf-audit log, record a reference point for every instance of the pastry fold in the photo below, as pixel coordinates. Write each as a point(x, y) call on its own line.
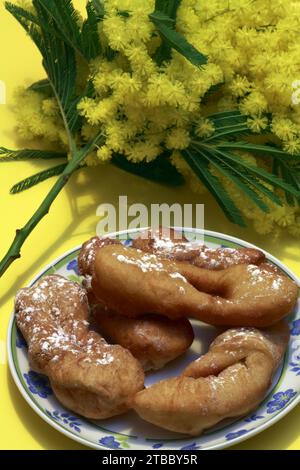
point(227, 382)
point(133, 283)
point(87, 375)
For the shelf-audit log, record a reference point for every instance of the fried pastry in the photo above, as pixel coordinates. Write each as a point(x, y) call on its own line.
point(87, 255)
point(152, 339)
point(227, 382)
point(88, 376)
point(133, 283)
point(170, 244)
point(167, 243)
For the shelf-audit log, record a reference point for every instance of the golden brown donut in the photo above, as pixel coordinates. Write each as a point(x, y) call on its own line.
point(88, 376)
point(86, 261)
point(170, 244)
point(134, 283)
point(227, 382)
point(152, 339)
point(167, 243)
point(87, 254)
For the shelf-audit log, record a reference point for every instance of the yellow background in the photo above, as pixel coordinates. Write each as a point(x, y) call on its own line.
point(71, 221)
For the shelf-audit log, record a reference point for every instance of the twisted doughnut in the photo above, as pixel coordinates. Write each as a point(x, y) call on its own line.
point(152, 339)
point(133, 283)
point(229, 381)
point(169, 244)
point(87, 375)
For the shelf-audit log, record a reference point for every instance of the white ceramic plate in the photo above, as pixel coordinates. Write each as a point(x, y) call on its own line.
point(129, 431)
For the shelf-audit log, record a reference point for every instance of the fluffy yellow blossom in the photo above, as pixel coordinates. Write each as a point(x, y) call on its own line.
point(257, 124)
point(142, 106)
point(254, 104)
point(162, 91)
point(92, 159)
point(97, 114)
point(240, 86)
point(50, 107)
point(142, 151)
point(34, 120)
point(140, 60)
point(294, 229)
point(114, 27)
point(292, 146)
point(285, 129)
point(178, 139)
point(284, 216)
point(204, 128)
point(104, 153)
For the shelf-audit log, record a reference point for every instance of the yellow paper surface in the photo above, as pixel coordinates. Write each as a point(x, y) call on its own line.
point(71, 221)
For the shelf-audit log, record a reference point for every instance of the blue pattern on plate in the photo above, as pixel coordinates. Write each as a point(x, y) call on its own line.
point(20, 341)
point(72, 421)
point(110, 442)
point(73, 266)
point(38, 384)
point(234, 435)
point(193, 446)
point(295, 330)
point(253, 417)
point(157, 446)
point(280, 400)
point(295, 367)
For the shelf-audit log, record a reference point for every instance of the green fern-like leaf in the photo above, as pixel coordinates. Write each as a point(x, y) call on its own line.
point(58, 57)
point(42, 86)
point(238, 180)
point(19, 12)
point(214, 185)
point(220, 151)
point(229, 125)
point(8, 155)
point(84, 40)
point(261, 150)
point(90, 41)
point(289, 174)
point(251, 180)
point(164, 20)
point(227, 118)
point(37, 178)
point(99, 8)
point(169, 7)
point(264, 175)
point(160, 170)
point(66, 19)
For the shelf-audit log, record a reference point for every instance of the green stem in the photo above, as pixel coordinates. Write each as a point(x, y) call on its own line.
point(14, 251)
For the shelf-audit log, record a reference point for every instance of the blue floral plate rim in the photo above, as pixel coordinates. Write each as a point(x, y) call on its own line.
point(233, 438)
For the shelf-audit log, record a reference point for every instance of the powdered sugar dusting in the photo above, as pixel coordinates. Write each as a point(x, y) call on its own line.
point(178, 276)
point(107, 359)
point(52, 316)
point(276, 284)
point(222, 258)
point(261, 275)
point(146, 262)
point(163, 244)
point(149, 263)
